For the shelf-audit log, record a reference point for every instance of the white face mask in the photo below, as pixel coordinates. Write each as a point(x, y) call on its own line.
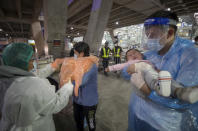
point(75, 56)
point(154, 44)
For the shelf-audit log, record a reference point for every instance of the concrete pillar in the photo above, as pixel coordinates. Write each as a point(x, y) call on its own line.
point(38, 38)
point(55, 19)
point(112, 35)
point(97, 23)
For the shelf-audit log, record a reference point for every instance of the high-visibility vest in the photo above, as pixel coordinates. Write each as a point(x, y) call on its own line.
point(104, 53)
point(117, 54)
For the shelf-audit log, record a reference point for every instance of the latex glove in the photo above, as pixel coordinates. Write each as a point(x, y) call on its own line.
point(131, 69)
point(137, 80)
point(142, 66)
point(57, 63)
point(69, 86)
point(45, 72)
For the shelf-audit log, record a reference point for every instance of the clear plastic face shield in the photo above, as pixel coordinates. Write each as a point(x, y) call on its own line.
point(155, 33)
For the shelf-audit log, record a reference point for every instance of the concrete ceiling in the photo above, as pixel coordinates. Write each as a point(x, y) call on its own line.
point(16, 16)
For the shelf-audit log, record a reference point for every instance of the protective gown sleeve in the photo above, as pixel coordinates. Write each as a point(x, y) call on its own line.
point(188, 72)
point(59, 99)
point(45, 72)
point(30, 99)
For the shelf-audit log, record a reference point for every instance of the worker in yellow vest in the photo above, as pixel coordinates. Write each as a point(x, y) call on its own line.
point(104, 53)
point(117, 53)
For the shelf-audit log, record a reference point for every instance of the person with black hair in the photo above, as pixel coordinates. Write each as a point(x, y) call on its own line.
point(178, 56)
point(104, 54)
point(196, 41)
point(85, 104)
point(117, 53)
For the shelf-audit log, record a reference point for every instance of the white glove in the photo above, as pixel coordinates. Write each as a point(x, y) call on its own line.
point(137, 80)
point(142, 66)
point(46, 71)
point(69, 87)
point(188, 94)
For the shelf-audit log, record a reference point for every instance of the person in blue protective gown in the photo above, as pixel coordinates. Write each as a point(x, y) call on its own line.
point(168, 52)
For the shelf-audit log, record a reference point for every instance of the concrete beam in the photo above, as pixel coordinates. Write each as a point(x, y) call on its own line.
point(125, 14)
point(80, 15)
point(8, 32)
point(158, 3)
point(128, 23)
point(2, 13)
point(97, 23)
point(138, 5)
point(55, 23)
point(16, 20)
point(77, 7)
point(18, 7)
point(128, 20)
point(77, 26)
point(38, 37)
point(10, 27)
point(38, 4)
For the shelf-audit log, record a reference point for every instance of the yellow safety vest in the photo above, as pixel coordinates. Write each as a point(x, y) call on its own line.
point(118, 52)
point(104, 53)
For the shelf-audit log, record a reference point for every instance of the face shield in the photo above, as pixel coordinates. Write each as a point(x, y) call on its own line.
point(155, 33)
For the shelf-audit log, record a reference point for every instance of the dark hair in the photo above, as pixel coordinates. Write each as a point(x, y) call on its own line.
point(131, 50)
point(106, 43)
point(165, 14)
point(196, 38)
point(82, 47)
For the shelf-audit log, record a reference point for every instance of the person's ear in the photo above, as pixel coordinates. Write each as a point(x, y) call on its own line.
point(81, 54)
point(171, 33)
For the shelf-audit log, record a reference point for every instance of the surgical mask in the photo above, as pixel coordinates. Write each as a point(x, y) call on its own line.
point(75, 56)
point(154, 44)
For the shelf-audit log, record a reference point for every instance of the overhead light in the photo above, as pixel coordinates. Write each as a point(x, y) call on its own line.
point(1, 29)
point(68, 36)
point(71, 28)
point(78, 33)
point(117, 23)
point(168, 9)
point(6, 34)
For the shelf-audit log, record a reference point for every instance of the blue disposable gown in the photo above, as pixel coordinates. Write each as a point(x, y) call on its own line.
point(168, 114)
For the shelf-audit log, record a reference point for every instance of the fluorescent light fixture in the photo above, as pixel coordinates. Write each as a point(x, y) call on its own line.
point(168, 9)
